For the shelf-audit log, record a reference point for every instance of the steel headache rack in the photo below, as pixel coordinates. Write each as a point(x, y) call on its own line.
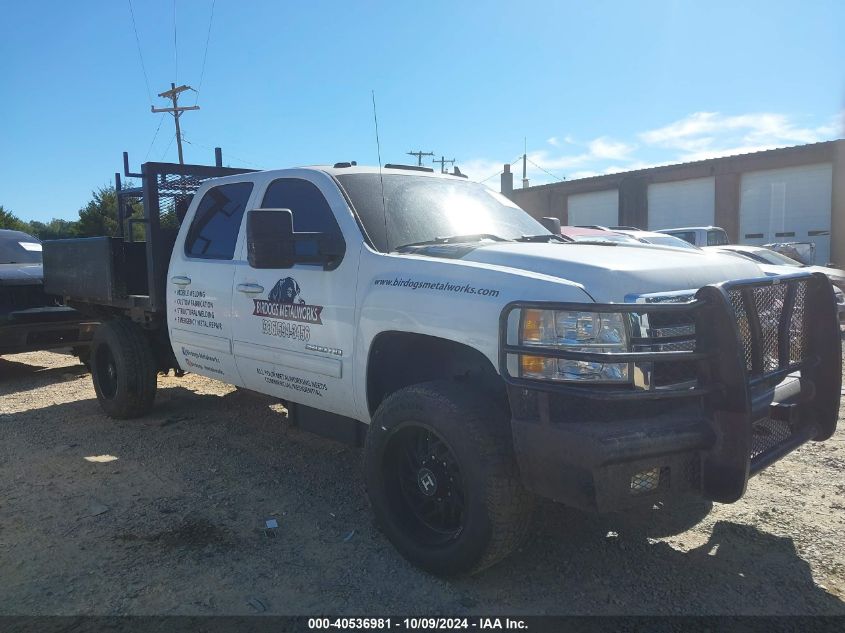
point(128, 271)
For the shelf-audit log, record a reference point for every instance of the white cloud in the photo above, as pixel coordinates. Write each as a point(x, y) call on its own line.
point(709, 134)
point(698, 136)
point(484, 170)
point(604, 147)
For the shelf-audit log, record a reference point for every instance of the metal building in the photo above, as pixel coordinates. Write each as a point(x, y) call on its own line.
point(792, 194)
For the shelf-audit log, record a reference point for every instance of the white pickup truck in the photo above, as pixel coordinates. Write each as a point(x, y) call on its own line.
point(479, 359)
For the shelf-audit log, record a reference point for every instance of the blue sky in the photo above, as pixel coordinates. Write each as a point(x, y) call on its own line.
point(593, 86)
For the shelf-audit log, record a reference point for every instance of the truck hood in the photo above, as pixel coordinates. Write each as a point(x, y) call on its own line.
point(612, 273)
point(21, 274)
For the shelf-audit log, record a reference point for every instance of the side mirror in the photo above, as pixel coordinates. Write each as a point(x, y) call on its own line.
point(272, 243)
point(551, 224)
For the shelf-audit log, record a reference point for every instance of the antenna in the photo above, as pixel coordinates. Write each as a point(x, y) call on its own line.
point(381, 179)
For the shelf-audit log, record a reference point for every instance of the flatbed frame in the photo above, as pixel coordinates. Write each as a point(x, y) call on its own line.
point(122, 273)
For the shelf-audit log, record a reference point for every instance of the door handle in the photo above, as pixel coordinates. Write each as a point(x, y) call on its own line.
point(250, 289)
point(180, 280)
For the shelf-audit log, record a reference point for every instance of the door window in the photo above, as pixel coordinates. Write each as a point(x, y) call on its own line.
point(309, 208)
point(214, 229)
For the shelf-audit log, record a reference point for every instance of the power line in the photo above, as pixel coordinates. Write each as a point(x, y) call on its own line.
point(237, 158)
point(175, 47)
point(140, 54)
point(512, 163)
point(545, 170)
point(205, 54)
point(172, 138)
point(155, 136)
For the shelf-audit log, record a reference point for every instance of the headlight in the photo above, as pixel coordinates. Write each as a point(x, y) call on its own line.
point(840, 296)
point(597, 332)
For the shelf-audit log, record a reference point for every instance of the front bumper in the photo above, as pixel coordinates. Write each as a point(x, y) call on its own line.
point(754, 400)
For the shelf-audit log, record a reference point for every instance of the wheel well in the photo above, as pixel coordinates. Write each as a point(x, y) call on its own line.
point(401, 359)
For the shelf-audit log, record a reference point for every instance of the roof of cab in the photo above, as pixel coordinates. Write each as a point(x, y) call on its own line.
point(404, 170)
point(333, 171)
point(337, 170)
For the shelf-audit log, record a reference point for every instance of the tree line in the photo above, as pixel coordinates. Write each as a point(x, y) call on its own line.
point(97, 217)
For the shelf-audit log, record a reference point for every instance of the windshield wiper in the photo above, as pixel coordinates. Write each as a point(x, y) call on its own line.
point(545, 237)
point(453, 239)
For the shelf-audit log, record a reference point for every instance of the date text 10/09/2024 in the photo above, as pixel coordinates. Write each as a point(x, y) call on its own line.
point(414, 624)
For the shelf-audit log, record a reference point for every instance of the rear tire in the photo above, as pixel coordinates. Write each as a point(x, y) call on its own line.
point(442, 478)
point(124, 369)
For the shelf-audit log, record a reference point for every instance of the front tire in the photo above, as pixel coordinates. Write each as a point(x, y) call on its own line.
point(123, 368)
point(442, 478)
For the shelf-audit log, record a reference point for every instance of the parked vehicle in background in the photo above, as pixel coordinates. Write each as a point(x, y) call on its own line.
point(30, 319)
point(479, 358)
point(589, 234)
point(700, 235)
point(657, 239)
point(804, 252)
point(774, 263)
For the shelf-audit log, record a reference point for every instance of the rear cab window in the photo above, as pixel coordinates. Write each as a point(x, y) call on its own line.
point(687, 236)
point(214, 229)
point(716, 238)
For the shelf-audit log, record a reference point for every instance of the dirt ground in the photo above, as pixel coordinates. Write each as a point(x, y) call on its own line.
point(175, 524)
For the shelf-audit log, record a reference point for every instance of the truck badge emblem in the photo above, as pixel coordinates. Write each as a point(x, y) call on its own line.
point(426, 482)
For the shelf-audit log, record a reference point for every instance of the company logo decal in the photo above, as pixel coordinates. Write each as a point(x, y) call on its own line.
point(285, 302)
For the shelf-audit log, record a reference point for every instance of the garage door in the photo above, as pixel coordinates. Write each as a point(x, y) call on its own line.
point(673, 205)
point(788, 205)
point(599, 207)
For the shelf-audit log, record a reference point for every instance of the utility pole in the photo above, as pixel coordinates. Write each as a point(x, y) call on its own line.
point(419, 156)
point(176, 111)
point(443, 162)
point(525, 165)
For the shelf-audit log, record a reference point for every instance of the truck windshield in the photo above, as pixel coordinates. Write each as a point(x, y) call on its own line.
point(424, 208)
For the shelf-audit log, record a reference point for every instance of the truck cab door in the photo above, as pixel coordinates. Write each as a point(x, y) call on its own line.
point(199, 283)
point(293, 328)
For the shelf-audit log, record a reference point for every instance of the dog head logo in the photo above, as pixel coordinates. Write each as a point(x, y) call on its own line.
point(286, 291)
point(284, 302)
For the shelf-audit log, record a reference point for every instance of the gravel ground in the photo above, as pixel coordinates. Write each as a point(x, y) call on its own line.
point(175, 524)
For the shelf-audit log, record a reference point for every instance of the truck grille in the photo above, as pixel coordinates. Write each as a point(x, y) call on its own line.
point(670, 333)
